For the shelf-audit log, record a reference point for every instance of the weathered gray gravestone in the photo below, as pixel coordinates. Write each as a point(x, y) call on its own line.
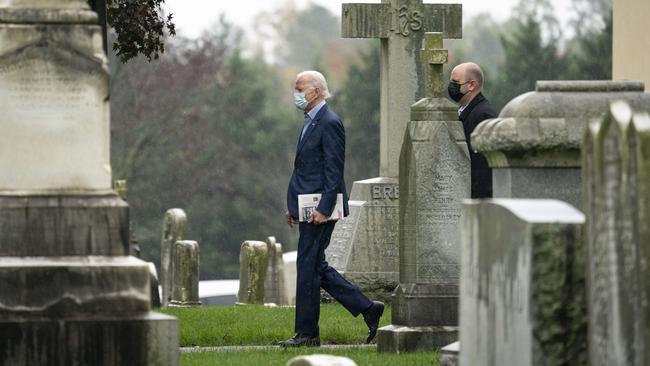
point(252, 272)
point(364, 245)
point(434, 180)
point(523, 284)
point(69, 294)
point(290, 276)
point(534, 144)
point(616, 181)
point(174, 229)
point(274, 283)
point(185, 288)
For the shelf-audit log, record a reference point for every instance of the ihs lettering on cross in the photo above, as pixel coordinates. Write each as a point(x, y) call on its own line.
point(406, 20)
point(434, 57)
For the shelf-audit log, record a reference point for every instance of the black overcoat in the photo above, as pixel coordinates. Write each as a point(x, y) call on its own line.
point(478, 110)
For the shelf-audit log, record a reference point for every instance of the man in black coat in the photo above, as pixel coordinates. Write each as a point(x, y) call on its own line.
point(465, 88)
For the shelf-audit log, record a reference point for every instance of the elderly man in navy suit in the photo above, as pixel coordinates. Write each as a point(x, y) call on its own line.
point(318, 168)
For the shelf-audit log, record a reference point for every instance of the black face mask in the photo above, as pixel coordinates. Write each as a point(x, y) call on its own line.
point(454, 91)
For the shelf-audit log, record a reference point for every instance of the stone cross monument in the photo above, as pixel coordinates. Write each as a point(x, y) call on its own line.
point(69, 294)
point(364, 245)
point(434, 180)
point(400, 24)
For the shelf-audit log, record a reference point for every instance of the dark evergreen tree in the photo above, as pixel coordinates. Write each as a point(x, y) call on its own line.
point(528, 58)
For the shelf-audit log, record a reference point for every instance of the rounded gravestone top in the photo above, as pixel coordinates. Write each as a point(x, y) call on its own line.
point(544, 128)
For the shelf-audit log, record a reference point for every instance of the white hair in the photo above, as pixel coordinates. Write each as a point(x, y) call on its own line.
point(316, 79)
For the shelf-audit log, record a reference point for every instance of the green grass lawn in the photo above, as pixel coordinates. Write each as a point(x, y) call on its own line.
point(258, 325)
point(279, 357)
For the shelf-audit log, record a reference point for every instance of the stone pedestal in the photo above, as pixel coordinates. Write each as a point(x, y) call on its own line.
point(364, 245)
point(70, 293)
point(533, 146)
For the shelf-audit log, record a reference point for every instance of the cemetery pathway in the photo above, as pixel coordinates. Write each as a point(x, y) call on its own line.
point(257, 348)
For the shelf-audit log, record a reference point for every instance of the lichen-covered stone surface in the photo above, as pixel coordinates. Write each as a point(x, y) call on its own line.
point(274, 282)
point(523, 285)
point(252, 272)
point(616, 185)
point(185, 289)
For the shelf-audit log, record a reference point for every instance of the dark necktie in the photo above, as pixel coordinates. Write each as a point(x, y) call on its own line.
point(305, 126)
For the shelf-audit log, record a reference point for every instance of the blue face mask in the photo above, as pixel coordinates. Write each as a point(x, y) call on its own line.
point(300, 101)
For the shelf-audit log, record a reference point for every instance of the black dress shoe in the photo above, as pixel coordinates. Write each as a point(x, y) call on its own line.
point(300, 340)
point(371, 317)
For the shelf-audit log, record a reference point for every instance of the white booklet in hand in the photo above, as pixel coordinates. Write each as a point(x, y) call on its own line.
point(307, 203)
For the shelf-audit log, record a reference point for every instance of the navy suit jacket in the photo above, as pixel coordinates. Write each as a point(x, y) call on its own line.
point(319, 164)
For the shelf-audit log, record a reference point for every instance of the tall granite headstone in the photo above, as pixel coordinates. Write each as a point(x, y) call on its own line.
point(174, 229)
point(434, 180)
point(523, 284)
point(364, 245)
point(616, 183)
point(252, 272)
point(69, 294)
point(534, 144)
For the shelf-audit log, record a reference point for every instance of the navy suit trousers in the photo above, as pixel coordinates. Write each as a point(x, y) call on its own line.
point(313, 273)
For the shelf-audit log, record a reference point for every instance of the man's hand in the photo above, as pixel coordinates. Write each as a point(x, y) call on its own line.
point(317, 218)
point(290, 220)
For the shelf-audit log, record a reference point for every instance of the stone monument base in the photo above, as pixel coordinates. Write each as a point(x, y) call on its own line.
point(435, 306)
point(425, 304)
point(402, 339)
point(144, 339)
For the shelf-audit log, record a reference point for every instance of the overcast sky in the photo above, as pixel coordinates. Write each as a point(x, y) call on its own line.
point(192, 16)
